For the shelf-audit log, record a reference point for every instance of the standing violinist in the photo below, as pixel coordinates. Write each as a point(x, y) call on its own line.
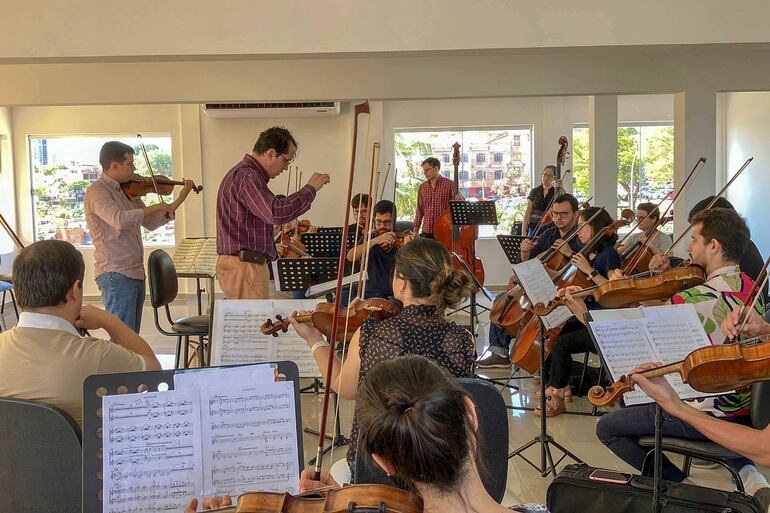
point(648, 216)
point(115, 222)
point(539, 199)
point(564, 222)
point(719, 238)
point(247, 211)
point(382, 252)
point(433, 197)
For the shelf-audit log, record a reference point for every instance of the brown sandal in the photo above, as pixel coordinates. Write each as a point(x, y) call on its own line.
point(554, 406)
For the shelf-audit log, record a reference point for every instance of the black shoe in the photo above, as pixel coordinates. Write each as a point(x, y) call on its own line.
point(492, 361)
point(763, 498)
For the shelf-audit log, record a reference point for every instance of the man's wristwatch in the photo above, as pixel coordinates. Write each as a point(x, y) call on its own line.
point(593, 274)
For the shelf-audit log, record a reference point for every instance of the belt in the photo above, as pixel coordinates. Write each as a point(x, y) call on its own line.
point(254, 257)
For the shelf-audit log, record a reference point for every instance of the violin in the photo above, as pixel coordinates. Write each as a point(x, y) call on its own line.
point(351, 317)
point(710, 369)
point(140, 185)
point(635, 289)
point(294, 248)
point(348, 499)
point(636, 258)
point(400, 240)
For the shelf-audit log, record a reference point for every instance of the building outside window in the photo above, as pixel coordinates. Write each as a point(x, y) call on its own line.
point(62, 167)
point(505, 180)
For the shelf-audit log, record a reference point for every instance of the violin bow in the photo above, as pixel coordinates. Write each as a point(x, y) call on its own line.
point(552, 251)
point(711, 204)
point(362, 108)
point(151, 173)
point(385, 184)
point(7, 227)
point(662, 216)
point(373, 186)
point(751, 299)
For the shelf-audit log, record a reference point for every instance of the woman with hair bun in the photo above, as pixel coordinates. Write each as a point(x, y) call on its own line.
point(420, 426)
point(426, 282)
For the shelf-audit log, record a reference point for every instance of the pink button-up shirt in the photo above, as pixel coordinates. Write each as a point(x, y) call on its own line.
point(115, 223)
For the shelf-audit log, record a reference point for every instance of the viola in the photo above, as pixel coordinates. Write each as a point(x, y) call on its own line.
point(710, 369)
point(140, 185)
point(635, 289)
point(348, 499)
point(294, 248)
point(350, 318)
point(636, 258)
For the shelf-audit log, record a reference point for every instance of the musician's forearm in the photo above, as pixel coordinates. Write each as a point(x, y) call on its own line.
point(749, 442)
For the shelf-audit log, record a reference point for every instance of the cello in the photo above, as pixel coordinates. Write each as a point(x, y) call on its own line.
point(459, 239)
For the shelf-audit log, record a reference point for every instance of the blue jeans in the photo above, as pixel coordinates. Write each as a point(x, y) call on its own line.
point(123, 297)
point(620, 430)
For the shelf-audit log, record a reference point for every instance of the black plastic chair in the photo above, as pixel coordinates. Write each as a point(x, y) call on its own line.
point(710, 451)
point(492, 435)
point(164, 286)
point(41, 448)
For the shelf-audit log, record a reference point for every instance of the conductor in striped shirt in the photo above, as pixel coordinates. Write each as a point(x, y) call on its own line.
point(247, 210)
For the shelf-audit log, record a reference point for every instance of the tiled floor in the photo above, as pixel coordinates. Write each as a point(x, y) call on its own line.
point(574, 432)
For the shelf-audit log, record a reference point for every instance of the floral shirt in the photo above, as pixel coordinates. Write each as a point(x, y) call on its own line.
point(725, 289)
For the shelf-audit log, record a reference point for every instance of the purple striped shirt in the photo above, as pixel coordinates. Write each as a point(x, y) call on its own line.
point(247, 209)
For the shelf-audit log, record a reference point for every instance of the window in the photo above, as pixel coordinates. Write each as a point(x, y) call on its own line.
point(580, 176)
point(63, 167)
point(445, 158)
point(517, 140)
point(507, 184)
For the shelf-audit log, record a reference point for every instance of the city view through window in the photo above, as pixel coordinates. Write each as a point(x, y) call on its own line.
point(63, 167)
point(495, 164)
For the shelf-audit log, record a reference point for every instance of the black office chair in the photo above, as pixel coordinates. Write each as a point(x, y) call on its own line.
point(164, 286)
point(492, 435)
point(710, 451)
point(41, 448)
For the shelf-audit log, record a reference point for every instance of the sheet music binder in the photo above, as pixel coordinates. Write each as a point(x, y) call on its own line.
point(99, 385)
point(196, 256)
point(300, 273)
point(474, 213)
point(511, 245)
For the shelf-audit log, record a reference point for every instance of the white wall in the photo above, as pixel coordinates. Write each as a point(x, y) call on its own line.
point(7, 181)
point(746, 125)
point(45, 29)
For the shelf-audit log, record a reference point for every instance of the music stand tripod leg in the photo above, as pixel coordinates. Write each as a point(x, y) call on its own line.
point(545, 440)
point(338, 440)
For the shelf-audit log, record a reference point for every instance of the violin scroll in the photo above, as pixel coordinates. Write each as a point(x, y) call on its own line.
point(598, 396)
point(270, 327)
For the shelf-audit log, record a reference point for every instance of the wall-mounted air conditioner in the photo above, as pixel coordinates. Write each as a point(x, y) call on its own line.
point(272, 109)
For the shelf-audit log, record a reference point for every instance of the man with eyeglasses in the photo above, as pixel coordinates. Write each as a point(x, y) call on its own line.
point(247, 211)
point(433, 197)
point(565, 216)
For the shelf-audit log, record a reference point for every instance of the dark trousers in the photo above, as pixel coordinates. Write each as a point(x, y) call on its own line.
point(621, 429)
point(426, 235)
point(573, 339)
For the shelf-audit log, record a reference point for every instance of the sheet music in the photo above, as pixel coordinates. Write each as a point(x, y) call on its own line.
point(151, 451)
point(196, 256)
point(253, 439)
point(236, 335)
point(214, 376)
point(637, 335)
point(539, 287)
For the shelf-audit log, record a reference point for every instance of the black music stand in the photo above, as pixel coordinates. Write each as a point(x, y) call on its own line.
point(330, 229)
point(94, 387)
point(511, 245)
point(473, 213)
point(547, 466)
point(325, 244)
point(300, 273)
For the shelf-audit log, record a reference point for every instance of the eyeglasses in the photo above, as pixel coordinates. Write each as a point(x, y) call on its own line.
point(561, 215)
point(287, 159)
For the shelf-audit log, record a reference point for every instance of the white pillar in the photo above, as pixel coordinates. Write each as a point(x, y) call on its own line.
point(694, 137)
point(603, 151)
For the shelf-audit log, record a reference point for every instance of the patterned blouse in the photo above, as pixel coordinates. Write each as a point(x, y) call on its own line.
point(725, 289)
point(416, 330)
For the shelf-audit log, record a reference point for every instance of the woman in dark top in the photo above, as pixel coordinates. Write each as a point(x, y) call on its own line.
point(539, 200)
point(574, 336)
point(426, 282)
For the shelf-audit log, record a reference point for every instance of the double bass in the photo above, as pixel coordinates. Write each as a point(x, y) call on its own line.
point(459, 239)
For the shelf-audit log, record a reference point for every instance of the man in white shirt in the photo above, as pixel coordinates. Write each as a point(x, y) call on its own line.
point(45, 358)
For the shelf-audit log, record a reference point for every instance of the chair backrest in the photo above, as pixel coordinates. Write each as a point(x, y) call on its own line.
point(400, 226)
point(492, 435)
point(760, 405)
point(42, 458)
point(164, 284)
point(6, 261)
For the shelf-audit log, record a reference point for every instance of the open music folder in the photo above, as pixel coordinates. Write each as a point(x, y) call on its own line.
point(220, 431)
point(627, 337)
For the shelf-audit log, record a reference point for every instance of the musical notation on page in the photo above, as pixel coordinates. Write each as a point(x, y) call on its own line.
point(539, 287)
